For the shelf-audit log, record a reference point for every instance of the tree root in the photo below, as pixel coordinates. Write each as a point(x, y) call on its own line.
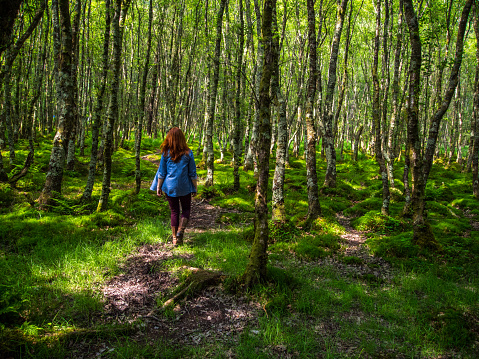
point(197, 280)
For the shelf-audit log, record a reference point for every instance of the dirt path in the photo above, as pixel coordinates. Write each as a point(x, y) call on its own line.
point(354, 245)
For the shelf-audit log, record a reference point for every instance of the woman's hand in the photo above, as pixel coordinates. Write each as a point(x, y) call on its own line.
point(159, 191)
point(195, 184)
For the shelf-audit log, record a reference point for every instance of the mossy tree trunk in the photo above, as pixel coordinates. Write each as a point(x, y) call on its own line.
point(121, 9)
point(96, 122)
point(420, 167)
point(141, 107)
point(238, 105)
point(75, 61)
point(65, 94)
point(279, 212)
point(212, 91)
point(377, 115)
point(258, 259)
point(475, 125)
point(396, 104)
point(314, 208)
point(327, 115)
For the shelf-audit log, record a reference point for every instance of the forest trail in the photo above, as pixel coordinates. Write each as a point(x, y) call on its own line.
point(354, 246)
point(212, 315)
point(133, 295)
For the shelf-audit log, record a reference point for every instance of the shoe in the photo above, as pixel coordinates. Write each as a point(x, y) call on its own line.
point(181, 230)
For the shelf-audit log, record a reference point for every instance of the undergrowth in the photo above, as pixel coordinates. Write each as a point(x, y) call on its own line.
point(53, 264)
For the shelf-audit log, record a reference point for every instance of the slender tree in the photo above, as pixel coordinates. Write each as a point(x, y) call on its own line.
point(212, 91)
point(377, 115)
point(258, 258)
point(121, 9)
point(65, 98)
point(314, 208)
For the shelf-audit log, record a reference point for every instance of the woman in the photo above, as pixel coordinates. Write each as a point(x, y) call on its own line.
point(176, 178)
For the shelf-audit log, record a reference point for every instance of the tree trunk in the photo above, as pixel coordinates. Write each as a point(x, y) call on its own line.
point(452, 84)
point(420, 168)
point(98, 108)
point(475, 149)
point(53, 182)
point(141, 109)
point(112, 112)
point(212, 91)
point(279, 211)
point(75, 60)
point(377, 115)
point(314, 208)
point(393, 126)
point(256, 269)
point(238, 113)
point(10, 10)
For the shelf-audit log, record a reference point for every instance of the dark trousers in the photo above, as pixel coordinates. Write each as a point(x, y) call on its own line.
point(174, 203)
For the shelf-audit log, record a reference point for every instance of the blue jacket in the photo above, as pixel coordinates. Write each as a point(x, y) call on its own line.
point(177, 176)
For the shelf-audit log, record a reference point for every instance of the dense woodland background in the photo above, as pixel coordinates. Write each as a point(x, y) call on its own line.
point(316, 120)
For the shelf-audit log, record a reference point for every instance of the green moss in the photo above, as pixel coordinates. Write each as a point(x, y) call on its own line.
point(400, 245)
point(363, 207)
point(375, 221)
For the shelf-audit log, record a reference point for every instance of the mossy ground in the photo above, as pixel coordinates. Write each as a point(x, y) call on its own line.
point(53, 265)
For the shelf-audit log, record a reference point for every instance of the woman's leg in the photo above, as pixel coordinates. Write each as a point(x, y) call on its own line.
point(175, 215)
point(185, 206)
point(185, 216)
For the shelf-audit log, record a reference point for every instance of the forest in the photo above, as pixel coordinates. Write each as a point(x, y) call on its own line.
point(337, 152)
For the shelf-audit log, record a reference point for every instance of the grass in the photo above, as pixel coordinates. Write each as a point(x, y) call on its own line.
point(52, 265)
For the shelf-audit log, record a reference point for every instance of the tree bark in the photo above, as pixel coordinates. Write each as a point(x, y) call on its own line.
point(238, 113)
point(212, 91)
point(475, 147)
point(65, 93)
point(328, 116)
point(141, 109)
point(10, 10)
point(96, 122)
point(377, 115)
point(314, 208)
point(279, 211)
point(256, 269)
point(112, 112)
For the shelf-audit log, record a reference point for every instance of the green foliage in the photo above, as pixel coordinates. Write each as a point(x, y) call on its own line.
point(327, 225)
point(318, 246)
point(282, 231)
point(454, 328)
point(7, 195)
point(377, 222)
point(396, 246)
point(363, 207)
point(440, 192)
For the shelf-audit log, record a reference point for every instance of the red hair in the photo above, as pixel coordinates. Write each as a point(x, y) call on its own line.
point(175, 144)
